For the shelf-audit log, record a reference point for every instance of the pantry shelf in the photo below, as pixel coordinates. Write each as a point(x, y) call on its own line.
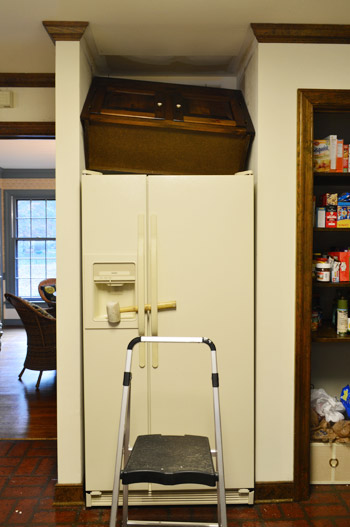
point(332, 229)
point(332, 174)
point(327, 333)
point(330, 178)
point(331, 284)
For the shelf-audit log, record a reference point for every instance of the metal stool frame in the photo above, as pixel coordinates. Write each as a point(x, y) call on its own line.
point(124, 432)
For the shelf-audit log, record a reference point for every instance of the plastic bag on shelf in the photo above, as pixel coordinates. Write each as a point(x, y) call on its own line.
point(326, 405)
point(345, 399)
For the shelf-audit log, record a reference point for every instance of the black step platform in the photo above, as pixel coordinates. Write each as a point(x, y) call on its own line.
point(170, 460)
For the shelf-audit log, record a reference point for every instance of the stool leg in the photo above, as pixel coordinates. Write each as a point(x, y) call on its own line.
point(125, 505)
point(20, 375)
point(126, 457)
point(222, 517)
point(118, 461)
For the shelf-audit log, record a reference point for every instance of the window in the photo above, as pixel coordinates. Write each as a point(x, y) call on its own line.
point(31, 240)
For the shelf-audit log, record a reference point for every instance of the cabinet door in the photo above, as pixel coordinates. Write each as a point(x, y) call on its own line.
point(205, 263)
point(129, 100)
point(211, 107)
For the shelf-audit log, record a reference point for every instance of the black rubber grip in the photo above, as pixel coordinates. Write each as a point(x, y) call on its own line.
point(133, 342)
point(215, 380)
point(210, 343)
point(127, 378)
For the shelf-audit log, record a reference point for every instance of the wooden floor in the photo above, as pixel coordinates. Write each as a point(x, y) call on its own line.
point(25, 413)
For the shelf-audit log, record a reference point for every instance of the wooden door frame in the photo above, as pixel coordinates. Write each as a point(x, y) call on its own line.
point(309, 101)
point(27, 130)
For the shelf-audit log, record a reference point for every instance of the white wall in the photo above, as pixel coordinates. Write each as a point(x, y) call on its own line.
point(272, 78)
point(30, 104)
point(247, 82)
point(278, 71)
point(72, 82)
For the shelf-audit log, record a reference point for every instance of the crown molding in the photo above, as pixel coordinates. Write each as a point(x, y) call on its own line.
point(302, 33)
point(65, 30)
point(27, 80)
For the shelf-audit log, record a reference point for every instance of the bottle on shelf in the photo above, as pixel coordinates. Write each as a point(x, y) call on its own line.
point(342, 317)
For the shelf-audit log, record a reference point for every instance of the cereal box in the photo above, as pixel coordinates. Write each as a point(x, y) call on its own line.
point(339, 156)
point(343, 216)
point(331, 216)
point(321, 158)
point(333, 151)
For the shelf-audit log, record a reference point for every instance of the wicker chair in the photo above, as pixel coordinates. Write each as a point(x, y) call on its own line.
point(41, 336)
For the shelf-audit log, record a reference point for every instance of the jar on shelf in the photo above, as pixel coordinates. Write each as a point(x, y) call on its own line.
point(315, 320)
point(323, 271)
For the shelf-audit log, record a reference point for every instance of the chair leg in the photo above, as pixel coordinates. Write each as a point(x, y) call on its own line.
point(20, 375)
point(38, 381)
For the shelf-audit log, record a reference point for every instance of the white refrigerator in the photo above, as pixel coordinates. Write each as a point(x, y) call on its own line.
point(148, 239)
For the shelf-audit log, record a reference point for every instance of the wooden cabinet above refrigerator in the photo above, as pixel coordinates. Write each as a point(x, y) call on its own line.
point(139, 126)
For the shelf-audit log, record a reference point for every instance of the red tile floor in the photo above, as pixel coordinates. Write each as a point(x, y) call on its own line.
point(28, 477)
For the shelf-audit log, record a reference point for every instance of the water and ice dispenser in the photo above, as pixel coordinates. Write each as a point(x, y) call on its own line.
point(112, 296)
point(112, 285)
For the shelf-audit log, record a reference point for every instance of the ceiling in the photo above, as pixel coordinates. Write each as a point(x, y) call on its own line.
point(153, 37)
point(199, 34)
point(27, 153)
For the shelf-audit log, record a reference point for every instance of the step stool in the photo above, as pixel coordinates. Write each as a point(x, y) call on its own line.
point(168, 459)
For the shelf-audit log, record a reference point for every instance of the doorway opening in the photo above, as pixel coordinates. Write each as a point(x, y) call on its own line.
point(27, 163)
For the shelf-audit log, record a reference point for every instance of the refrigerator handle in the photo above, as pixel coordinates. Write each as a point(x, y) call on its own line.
point(141, 286)
point(154, 288)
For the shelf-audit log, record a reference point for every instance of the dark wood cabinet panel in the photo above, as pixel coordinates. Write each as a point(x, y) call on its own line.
point(194, 107)
point(126, 101)
point(139, 126)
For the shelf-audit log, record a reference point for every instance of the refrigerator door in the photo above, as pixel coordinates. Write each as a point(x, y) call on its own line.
point(204, 227)
point(111, 208)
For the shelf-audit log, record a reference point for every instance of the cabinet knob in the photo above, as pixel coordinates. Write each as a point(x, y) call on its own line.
point(160, 104)
point(178, 105)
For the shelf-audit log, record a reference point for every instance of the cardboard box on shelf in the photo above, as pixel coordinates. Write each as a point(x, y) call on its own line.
point(321, 217)
point(339, 156)
point(322, 156)
point(344, 210)
point(346, 158)
point(343, 258)
point(343, 219)
point(331, 216)
point(329, 199)
point(333, 151)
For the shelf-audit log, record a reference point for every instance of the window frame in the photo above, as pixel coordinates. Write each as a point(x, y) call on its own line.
point(10, 196)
